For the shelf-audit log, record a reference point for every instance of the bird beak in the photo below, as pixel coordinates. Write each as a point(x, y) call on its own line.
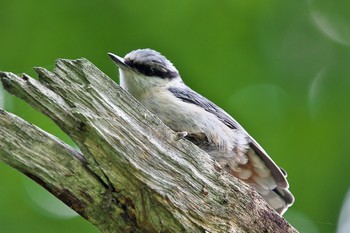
point(119, 61)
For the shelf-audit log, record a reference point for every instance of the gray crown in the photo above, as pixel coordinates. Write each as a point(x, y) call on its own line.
point(151, 63)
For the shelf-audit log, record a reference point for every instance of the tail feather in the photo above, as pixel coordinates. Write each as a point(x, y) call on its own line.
point(279, 199)
point(261, 176)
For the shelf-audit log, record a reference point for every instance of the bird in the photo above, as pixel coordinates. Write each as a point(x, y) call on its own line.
point(155, 82)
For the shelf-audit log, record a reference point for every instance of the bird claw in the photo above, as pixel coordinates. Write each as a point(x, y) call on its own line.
point(181, 135)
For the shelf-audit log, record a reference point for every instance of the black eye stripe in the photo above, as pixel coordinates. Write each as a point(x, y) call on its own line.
point(148, 70)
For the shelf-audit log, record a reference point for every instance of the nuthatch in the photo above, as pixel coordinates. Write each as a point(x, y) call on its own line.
point(155, 82)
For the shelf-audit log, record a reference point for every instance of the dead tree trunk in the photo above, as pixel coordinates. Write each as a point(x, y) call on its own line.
point(133, 174)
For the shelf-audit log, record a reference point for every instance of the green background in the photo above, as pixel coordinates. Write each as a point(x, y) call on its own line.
point(281, 68)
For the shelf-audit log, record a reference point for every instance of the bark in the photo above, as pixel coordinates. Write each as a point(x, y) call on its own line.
point(131, 173)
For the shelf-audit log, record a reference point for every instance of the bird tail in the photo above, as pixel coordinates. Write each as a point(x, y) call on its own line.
point(279, 199)
point(266, 178)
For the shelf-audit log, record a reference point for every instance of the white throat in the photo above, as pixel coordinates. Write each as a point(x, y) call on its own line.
point(137, 84)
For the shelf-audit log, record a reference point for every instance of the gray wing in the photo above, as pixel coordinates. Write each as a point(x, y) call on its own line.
point(188, 95)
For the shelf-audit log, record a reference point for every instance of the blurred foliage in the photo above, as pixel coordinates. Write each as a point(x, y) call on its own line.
point(280, 68)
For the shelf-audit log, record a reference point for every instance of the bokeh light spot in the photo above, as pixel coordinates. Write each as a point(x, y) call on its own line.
point(316, 94)
point(332, 19)
point(344, 218)
point(263, 102)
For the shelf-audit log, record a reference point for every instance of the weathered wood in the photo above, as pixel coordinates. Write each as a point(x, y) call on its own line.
point(136, 175)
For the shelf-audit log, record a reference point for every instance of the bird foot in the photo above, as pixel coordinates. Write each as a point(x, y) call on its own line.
point(181, 135)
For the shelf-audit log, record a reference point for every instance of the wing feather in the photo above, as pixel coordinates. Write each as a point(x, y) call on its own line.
point(188, 95)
